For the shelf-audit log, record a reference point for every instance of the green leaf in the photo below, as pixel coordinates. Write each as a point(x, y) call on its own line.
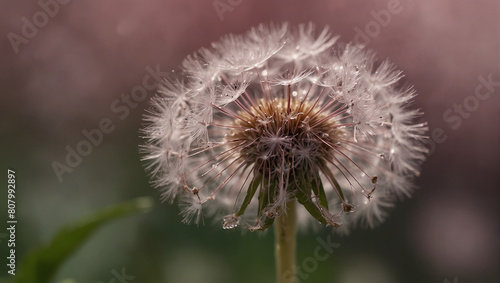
point(303, 195)
point(329, 175)
point(41, 265)
point(264, 198)
point(252, 188)
point(319, 191)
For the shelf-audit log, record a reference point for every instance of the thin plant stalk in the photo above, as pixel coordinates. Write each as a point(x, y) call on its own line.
point(285, 243)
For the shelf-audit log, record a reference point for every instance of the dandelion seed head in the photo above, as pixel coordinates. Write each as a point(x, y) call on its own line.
point(282, 114)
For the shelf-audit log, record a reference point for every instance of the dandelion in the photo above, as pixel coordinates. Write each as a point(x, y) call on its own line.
point(276, 116)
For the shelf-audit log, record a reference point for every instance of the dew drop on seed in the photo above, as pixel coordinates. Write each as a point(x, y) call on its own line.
point(229, 226)
point(215, 165)
point(230, 222)
point(294, 93)
point(382, 156)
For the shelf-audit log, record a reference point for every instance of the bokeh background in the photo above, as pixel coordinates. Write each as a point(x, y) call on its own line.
point(78, 64)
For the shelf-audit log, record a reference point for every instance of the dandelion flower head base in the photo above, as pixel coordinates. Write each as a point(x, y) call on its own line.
point(281, 114)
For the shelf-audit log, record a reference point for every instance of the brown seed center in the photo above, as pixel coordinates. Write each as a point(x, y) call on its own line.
point(286, 134)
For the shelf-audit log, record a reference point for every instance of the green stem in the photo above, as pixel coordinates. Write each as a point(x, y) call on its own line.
point(285, 241)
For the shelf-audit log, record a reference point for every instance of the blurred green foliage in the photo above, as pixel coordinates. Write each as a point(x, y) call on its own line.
point(41, 265)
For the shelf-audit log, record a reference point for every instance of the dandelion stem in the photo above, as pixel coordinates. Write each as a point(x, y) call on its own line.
point(285, 241)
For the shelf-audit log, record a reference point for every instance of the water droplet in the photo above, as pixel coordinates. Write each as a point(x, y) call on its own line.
point(382, 156)
point(215, 165)
point(230, 221)
point(324, 135)
point(264, 73)
point(230, 226)
point(294, 93)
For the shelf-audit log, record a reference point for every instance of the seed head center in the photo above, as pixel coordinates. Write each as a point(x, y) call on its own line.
point(286, 134)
